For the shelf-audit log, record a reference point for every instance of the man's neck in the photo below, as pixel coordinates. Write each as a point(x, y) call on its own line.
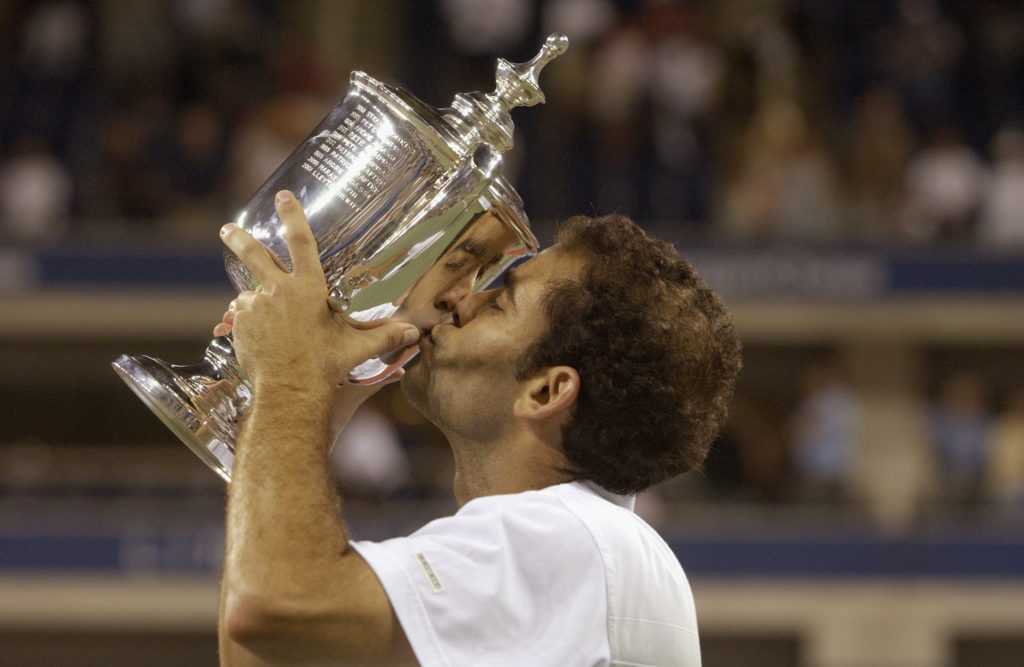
point(505, 466)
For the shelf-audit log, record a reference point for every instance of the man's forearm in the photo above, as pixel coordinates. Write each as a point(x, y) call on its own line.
point(285, 537)
point(282, 504)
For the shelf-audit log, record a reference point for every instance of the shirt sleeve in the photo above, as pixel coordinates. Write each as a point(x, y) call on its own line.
point(509, 580)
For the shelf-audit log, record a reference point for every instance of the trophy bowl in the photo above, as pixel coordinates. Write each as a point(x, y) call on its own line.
point(410, 212)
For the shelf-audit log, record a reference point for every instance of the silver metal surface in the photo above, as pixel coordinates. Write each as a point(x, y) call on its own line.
point(410, 212)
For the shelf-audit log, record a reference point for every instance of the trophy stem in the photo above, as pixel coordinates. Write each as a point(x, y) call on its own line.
point(203, 404)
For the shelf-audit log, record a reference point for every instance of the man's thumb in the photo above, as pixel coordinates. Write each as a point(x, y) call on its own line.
point(390, 336)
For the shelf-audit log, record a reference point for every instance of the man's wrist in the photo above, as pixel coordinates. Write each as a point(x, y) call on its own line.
point(287, 414)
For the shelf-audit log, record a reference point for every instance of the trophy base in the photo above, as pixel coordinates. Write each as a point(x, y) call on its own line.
point(177, 398)
point(204, 404)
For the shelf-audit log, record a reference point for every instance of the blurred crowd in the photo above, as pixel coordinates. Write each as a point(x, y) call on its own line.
point(963, 436)
point(748, 120)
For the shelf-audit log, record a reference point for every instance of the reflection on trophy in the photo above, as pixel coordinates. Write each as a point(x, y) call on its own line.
point(410, 212)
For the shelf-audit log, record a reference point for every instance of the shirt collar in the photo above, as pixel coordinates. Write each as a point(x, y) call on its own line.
point(614, 498)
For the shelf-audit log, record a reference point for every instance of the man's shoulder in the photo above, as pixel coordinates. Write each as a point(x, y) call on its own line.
point(568, 510)
point(542, 509)
point(604, 512)
point(561, 517)
point(577, 520)
point(578, 501)
point(528, 512)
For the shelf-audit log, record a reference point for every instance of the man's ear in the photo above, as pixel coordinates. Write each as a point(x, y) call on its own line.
point(550, 392)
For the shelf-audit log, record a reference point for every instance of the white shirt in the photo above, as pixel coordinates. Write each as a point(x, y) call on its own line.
point(567, 575)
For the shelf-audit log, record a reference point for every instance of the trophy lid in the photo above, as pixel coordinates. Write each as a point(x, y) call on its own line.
point(473, 118)
point(476, 117)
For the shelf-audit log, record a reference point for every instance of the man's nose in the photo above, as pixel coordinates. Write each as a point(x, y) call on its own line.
point(448, 300)
point(468, 307)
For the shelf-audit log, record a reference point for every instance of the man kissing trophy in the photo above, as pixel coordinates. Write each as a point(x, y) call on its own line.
point(406, 202)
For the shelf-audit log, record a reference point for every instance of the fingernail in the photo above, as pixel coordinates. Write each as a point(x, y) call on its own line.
point(411, 336)
point(227, 228)
point(283, 197)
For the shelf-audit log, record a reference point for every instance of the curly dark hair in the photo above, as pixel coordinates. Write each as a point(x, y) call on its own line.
point(655, 350)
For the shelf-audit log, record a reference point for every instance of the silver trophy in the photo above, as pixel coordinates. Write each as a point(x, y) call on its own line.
point(410, 212)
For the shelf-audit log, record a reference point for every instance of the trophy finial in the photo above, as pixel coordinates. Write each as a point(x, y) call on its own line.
point(476, 117)
point(517, 83)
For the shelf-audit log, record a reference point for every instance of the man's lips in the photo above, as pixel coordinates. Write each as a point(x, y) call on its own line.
point(430, 334)
point(428, 323)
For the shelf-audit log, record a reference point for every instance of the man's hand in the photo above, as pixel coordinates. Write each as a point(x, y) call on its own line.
point(284, 331)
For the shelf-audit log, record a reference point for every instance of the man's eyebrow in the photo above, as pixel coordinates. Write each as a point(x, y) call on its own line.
point(509, 281)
